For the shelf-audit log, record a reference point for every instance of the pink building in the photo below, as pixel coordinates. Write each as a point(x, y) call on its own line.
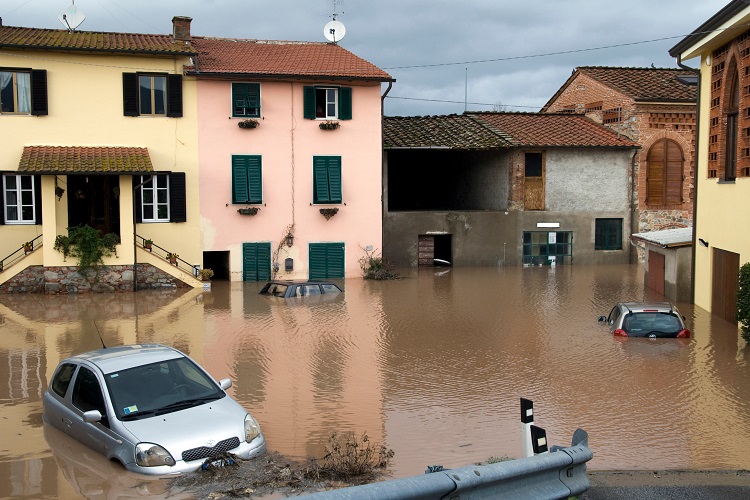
point(290, 158)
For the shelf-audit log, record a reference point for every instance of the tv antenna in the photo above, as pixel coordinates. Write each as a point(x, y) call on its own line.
point(334, 30)
point(72, 17)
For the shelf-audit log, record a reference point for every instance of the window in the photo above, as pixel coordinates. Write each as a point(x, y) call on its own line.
point(327, 179)
point(87, 393)
point(664, 174)
point(328, 103)
point(247, 179)
point(533, 187)
point(62, 379)
point(732, 110)
point(160, 197)
point(246, 99)
point(23, 91)
point(152, 94)
point(608, 234)
point(543, 248)
point(20, 199)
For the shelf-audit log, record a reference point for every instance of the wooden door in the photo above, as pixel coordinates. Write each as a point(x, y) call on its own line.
point(426, 249)
point(656, 272)
point(724, 283)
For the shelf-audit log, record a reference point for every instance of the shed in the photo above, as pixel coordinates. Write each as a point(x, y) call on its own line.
point(668, 258)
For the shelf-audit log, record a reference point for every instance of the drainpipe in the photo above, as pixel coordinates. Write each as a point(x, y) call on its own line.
point(135, 244)
point(633, 218)
point(695, 172)
point(384, 166)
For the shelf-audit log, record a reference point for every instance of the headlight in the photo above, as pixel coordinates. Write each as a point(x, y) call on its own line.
point(252, 429)
point(152, 455)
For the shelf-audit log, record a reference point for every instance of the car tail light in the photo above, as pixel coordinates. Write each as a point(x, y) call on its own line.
point(684, 334)
point(620, 333)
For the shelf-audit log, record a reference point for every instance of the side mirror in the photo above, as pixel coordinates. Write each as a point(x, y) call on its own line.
point(92, 416)
point(225, 383)
point(602, 319)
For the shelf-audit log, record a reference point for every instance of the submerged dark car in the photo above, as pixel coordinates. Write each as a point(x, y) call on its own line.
point(646, 319)
point(289, 289)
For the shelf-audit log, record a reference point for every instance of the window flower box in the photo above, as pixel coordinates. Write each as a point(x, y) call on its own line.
point(329, 125)
point(248, 210)
point(248, 123)
point(329, 212)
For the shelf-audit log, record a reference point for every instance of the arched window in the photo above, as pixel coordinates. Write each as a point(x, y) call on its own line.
point(732, 111)
point(664, 173)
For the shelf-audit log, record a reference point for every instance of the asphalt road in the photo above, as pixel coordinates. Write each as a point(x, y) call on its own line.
point(667, 485)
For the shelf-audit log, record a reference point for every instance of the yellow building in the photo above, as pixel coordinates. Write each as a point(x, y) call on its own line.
point(97, 129)
point(722, 242)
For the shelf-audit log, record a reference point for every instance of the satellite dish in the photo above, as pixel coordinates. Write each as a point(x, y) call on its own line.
point(334, 31)
point(72, 17)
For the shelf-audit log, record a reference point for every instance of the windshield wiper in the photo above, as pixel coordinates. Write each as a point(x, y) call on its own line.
point(138, 414)
point(186, 403)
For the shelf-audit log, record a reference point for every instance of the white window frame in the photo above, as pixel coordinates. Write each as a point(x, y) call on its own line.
point(21, 94)
point(152, 88)
point(150, 197)
point(326, 102)
point(19, 205)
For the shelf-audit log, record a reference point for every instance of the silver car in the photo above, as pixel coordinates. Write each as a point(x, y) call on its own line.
point(151, 408)
point(646, 319)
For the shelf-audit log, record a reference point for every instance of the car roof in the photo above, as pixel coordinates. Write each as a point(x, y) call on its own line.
point(299, 282)
point(112, 359)
point(649, 306)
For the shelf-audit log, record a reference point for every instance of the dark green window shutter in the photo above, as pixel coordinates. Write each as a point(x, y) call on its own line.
point(256, 261)
point(309, 103)
point(326, 261)
point(174, 96)
point(137, 179)
point(39, 92)
point(2, 199)
point(246, 99)
point(255, 179)
point(345, 103)
point(335, 261)
point(177, 197)
point(247, 179)
point(317, 257)
point(320, 178)
point(130, 94)
point(334, 179)
point(38, 198)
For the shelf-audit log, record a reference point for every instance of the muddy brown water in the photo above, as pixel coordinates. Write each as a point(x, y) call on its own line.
point(432, 366)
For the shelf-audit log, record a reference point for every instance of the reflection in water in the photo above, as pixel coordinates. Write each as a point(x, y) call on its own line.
point(432, 365)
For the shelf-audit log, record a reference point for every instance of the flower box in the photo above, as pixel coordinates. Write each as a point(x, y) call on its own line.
point(249, 123)
point(329, 125)
point(329, 212)
point(248, 210)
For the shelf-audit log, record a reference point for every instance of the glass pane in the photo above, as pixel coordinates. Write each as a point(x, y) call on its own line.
point(160, 95)
point(163, 212)
point(27, 198)
point(161, 196)
point(148, 196)
point(28, 213)
point(10, 182)
point(11, 197)
point(26, 182)
point(145, 91)
point(160, 181)
point(148, 212)
point(331, 110)
point(6, 92)
point(12, 213)
point(23, 91)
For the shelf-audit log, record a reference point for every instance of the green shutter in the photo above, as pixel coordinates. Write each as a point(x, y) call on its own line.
point(326, 261)
point(253, 99)
point(239, 180)
point(264, 261)
point(335, 261)
point(320, 179)
point(255, 179)
point(334, 179)
point(317, 257)
point(309, 103)
point(345, 103)
point(239, 99)
point(256, 261)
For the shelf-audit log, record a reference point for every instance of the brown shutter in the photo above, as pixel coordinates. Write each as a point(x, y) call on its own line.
point(673, 162)
point(655, 174)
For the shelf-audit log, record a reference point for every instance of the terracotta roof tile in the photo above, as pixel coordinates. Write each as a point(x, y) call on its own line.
point(279, 58)
point(645, 84)
point(445, 132)
point(553, 130)
point(48, 39)
point(79, 159)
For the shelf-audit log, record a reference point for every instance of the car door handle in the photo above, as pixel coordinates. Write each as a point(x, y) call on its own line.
point(67, 422)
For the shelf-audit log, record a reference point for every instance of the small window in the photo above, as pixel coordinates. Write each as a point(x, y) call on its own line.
point(152, 94)
point(87, 393)
point(247, 179)
point(15, 92)
point(328, 103)
point(246, 99)
point(155, 199)
point(19, 199)
point(62, 379)
point(533, 165)
point(608, 234)
point(327, 179)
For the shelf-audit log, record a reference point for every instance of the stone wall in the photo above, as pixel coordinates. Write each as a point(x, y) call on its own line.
point(65, 280)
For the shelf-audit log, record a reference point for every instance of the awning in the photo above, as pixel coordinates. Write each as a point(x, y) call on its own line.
point(84, 160)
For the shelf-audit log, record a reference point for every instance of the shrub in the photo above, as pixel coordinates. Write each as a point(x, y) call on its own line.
point(374, 267)
point(88, 245)
point(205, 274)
point(743, 301)
point(347, 456)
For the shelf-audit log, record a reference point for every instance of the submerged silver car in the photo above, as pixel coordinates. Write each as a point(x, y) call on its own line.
point(151, 408)
point(646, 319)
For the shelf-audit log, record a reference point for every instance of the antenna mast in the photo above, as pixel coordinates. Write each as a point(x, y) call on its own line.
point(334, 30)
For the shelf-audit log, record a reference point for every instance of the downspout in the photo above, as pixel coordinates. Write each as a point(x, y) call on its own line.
point(695, 172)
point(633, 218)
point(135, 244)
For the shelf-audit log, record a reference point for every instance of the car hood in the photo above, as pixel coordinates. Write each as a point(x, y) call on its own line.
point(203, 425)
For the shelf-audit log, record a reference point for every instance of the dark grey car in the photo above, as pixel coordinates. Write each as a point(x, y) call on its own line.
point(290, 289)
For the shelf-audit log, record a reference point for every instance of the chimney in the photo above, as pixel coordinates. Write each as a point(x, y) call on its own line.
point(181, 28)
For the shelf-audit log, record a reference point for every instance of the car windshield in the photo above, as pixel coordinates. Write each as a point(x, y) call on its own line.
point(275, 289)
point(651, 322)
point(158, 388)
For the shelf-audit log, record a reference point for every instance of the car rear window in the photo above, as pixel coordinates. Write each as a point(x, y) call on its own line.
point(330, 288)
point(651, 322)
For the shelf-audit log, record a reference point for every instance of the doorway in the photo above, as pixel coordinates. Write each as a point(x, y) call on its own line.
point(93, 200)
point(724, 284)
point(434, 250)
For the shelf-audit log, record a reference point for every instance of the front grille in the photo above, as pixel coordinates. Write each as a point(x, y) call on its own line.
point(205, 451)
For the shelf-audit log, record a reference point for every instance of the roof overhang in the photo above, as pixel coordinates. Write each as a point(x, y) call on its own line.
point(284, 77)
point(718, 30)
point(88, 160)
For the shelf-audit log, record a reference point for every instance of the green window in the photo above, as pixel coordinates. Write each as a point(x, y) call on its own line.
point(256, 261)
point(327, 179)
point(247, 179)
point(608, 234)
point(246, 99)
point(543, 248)
point(326, 261)
point(328, 103)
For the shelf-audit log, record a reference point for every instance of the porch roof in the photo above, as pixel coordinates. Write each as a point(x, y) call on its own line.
point(85, 160)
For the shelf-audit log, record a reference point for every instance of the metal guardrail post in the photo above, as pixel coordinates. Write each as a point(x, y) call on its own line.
point(548, 476)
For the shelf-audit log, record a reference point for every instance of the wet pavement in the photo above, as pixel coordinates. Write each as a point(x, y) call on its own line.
point(432, 366)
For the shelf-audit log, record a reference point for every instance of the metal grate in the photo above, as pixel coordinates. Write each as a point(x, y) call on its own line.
point(205, 451)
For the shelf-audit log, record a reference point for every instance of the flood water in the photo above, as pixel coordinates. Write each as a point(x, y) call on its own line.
point(432, 366)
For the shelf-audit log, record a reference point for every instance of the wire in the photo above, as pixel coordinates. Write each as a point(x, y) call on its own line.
point(461, 102)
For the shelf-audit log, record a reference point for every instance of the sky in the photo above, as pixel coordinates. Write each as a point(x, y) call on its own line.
point(446, 56)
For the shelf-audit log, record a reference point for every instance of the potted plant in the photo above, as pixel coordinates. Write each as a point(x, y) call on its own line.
point(248, 210)
point(147, 244)
point(329, 212)
point(205, 274)
point(172, 258)
point(28, 247)
point(248, 123)
point(329, 125)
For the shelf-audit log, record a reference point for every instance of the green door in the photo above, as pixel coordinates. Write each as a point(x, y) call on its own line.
point(326, 261)
point(256, 261)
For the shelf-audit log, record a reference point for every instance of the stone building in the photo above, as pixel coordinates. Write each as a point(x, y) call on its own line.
point(656, 107)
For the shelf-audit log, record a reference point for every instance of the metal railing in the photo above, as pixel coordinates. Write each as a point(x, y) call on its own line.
point(21, 252)
point(556, 475)
point(183, 265)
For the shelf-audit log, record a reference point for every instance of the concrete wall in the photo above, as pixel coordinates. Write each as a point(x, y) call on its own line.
point(677, 271)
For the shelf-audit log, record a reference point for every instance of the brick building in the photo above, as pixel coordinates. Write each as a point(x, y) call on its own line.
point(656, 107)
